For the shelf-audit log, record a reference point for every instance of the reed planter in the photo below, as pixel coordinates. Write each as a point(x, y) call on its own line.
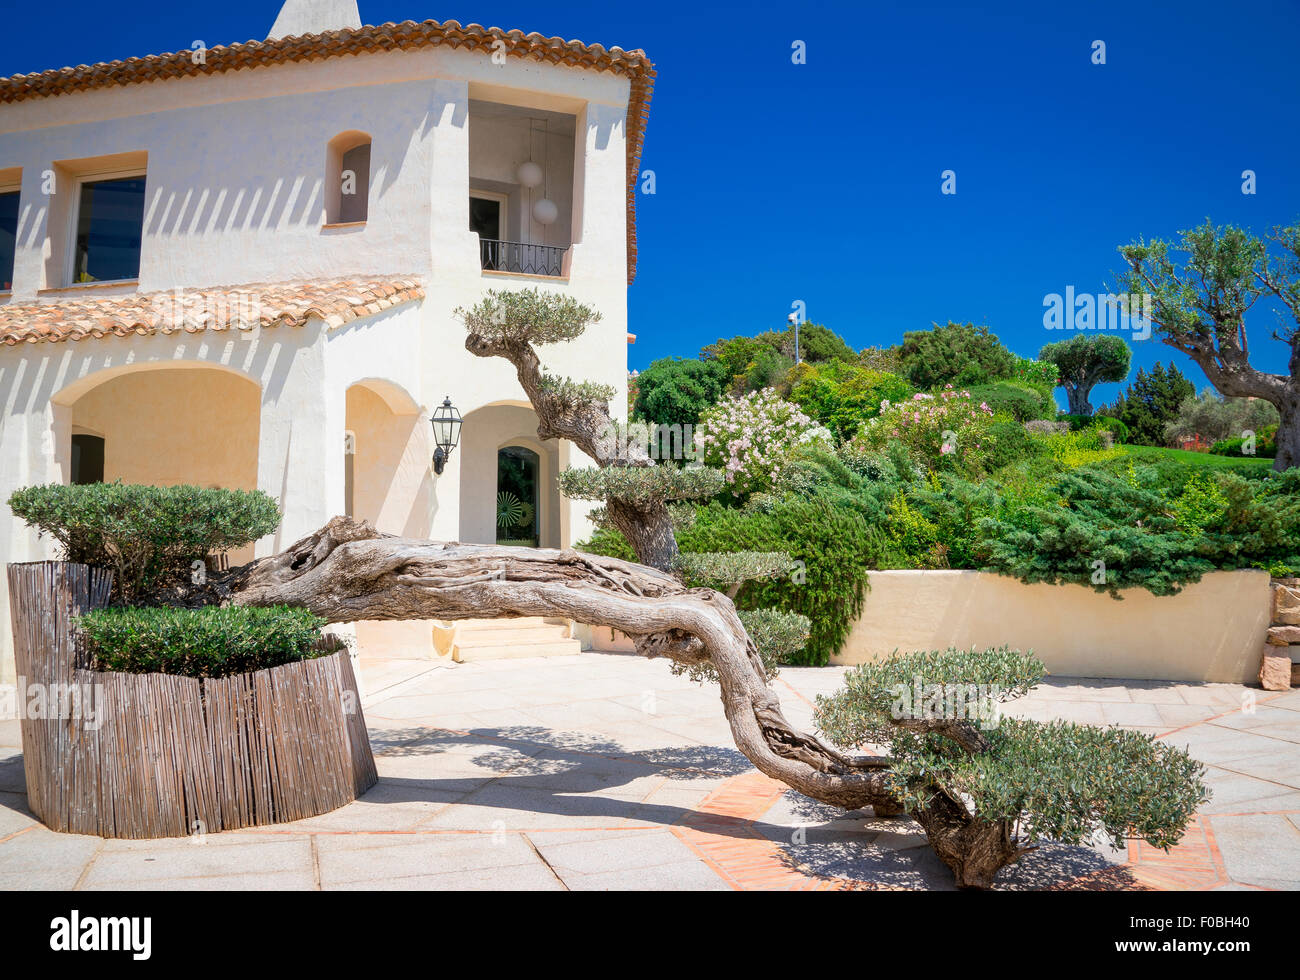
point(157, 755)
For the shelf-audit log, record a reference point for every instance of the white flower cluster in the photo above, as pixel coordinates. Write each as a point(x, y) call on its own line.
point(753, 437)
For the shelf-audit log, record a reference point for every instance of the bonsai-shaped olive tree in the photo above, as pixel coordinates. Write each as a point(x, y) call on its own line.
point(1083, 362)
point(347, 571)
point(985, 788)
point(635, 488)
point(1200, 307)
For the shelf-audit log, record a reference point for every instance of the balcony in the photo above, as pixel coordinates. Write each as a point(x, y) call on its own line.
point(521, 257)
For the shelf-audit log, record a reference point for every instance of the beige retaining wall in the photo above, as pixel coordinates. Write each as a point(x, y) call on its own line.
point(1211, 631)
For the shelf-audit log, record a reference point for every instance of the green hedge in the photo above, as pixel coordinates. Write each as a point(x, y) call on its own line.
point(835, 544)
point(149, 536)
point(1265, 445)
point(208, 642)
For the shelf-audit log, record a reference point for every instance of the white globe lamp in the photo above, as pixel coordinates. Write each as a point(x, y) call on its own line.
point(545, 211)
point(529, 174)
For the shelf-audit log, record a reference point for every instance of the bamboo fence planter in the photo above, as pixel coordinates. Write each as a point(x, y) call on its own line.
point(157, 755)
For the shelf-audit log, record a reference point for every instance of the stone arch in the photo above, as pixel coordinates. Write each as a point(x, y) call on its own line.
point(386, 458)
point(166, 424)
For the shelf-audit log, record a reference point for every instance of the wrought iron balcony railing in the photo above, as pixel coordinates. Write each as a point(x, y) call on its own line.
point(536, 260)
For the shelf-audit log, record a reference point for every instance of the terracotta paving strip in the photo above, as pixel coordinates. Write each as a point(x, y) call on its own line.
point(1192, 864)
point(721, 831)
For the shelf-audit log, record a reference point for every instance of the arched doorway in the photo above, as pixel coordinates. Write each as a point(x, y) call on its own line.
point(509, 491)
point(518, 478)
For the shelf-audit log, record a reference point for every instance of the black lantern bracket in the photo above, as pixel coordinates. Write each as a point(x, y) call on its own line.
point(446, 422)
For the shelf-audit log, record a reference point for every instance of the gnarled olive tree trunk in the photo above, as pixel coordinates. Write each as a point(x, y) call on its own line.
point(347, 571)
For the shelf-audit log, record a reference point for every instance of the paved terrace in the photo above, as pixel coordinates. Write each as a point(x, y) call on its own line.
point(604, 771)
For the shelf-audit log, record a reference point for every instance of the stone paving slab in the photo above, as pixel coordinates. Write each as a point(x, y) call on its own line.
point(600, 771)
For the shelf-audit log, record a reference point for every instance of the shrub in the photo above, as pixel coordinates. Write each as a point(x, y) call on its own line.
point(887, 359)
point(1017, 400)
point(675, 391)
point(1200, 506)
point(817, 343)
point(844, 396)
point(1074, 449)
point(752, 439)
point(832, 544)
point(1215, 418)
point(1115, 427)
point(1008, 442)
point(959, 354)
point(149, 536)
point(1044, 427)
point(1102, 531)
point(945, 430)
point(207, 642)
point(1265, 445)
point(985, 788)
point(1041, 376)
point(1077, 422)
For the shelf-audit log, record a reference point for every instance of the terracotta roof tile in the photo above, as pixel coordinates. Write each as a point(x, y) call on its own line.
point(407, 35)
point(276, 304)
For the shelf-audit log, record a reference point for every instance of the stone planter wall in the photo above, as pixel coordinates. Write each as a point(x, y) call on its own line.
point(157, 755)
point(1211, 631)
point(1280, 669)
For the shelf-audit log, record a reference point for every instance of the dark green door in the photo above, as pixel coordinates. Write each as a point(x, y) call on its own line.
point(517, 479)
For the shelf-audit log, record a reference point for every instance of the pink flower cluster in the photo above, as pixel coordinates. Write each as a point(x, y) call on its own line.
point(945, 425)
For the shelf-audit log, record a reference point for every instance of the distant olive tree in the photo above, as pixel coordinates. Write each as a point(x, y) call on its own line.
point(1200, 306)
point(1213, 417)
point(1085, 361)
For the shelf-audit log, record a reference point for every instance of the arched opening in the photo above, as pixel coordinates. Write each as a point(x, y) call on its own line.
point(518, 486)
point(167, 426)
point(347, 178)
point(385, 459)
point(508, 479)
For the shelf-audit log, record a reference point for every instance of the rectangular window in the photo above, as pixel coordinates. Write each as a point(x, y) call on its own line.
point(8, 238)
point(110, 226)
point(485, 217)
point(87, 459)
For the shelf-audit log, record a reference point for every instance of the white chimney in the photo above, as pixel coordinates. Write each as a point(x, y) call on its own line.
point(314, 17)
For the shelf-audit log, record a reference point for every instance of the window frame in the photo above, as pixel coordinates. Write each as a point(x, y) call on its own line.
point(74, 217)
point(503, 202)
point(336, 149)
point(13, 187)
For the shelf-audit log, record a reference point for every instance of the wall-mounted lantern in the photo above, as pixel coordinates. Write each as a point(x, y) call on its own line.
point(446, 432)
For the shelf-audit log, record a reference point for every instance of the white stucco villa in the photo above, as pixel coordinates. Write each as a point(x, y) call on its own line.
point(237, 267)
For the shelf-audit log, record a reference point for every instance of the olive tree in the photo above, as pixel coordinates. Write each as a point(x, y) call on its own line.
point(346, 571)
point(987, 788)
point(1200, 304)
point(1085, 361)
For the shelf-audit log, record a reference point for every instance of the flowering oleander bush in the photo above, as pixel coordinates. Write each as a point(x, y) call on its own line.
point(752, 438)
point(950, 428)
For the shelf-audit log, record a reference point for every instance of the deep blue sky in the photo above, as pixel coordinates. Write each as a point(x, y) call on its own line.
point(820, 182)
